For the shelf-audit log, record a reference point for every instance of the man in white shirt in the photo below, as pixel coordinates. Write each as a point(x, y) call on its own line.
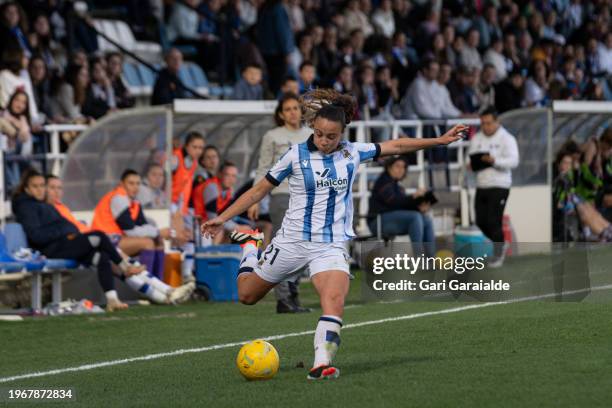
point(426, 98)
point(493, 182)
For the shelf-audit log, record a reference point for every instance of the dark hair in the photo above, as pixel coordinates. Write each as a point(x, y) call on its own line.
point(427, 63)
point(9, 106)
point(208, 147)
point(392, 160)
point(288, 78)
point(250, 65)
point(112, 54)
point(227, 164)
point(152, 165)
point(328, 104)
point(27, 175)
point(191, 136)
point(12, 59)
point(306, 64)
point(129, 172)
point(288, 96)
point(489, 111)
point(51, 177)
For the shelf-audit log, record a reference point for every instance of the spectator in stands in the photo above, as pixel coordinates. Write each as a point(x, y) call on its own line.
point(289, 131)
point(296, 15)
point(43, 44)
point(184, 23)
point(328, 62)
point(536, 86)
point(437, 49)
point(488, 27)
point(367, 98)
point(55, 237)
point(344, 81)
point(289, 85)
point(15, 77)
point(356, 18)
point(469, 56)
point(404, 61)
point(17, 115)
point(383, 19)
point(307, 76)
point(463, 90)
point(357, 43)
point(216, 194)
point(168, 86)
point(152, 194)
point(423, 97)
point(146, 282)
point(509, 94)
point(493, 182)
point(485, 91)
point(275, 40)
point(495, 57)
point(304, 51)
point(400, 213)
point(100, 95)
point(13, 29)
point(249, 87)
point(41, 86)
point(114, 62)
point(68, 95)
point(208, 165)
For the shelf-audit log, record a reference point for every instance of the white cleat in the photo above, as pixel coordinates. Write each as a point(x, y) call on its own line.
point(182, 293)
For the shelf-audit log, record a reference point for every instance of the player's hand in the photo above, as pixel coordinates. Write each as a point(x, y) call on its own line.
point(212, 227)
point(419, 193)
point(253, 212)
point(453, 135)
point(487, 158)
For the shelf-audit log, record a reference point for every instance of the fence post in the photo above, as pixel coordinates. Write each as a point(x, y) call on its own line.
point(55, 151)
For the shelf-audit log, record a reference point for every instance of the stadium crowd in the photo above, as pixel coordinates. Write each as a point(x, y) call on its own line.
point(398, 58)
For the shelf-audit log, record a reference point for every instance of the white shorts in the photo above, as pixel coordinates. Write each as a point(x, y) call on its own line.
point(283, 259)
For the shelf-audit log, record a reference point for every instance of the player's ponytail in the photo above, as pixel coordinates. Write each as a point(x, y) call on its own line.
point(328, 104)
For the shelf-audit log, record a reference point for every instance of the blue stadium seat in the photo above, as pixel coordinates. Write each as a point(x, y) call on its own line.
point(7, 262)
point(130, 74)
point(147, 76)
point(17, 239)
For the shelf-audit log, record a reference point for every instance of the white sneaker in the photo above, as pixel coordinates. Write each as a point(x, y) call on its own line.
point(182, 293)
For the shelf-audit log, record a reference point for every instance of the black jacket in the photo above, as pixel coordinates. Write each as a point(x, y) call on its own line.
point(42, 223)
point(168, 87)
point(388, 195)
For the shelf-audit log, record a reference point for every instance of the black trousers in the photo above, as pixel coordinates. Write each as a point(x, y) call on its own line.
point(277, 70)
point(92, 249)
point(489, 206)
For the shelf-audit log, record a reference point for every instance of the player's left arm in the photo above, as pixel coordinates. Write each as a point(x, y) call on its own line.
point(407, 144)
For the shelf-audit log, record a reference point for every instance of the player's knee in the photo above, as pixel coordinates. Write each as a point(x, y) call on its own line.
point(148, 244)
point(335, 298)
point(247, 298)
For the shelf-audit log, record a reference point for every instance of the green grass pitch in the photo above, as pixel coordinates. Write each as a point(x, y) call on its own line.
point(529, 354)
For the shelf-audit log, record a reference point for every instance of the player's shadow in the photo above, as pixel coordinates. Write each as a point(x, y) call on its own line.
point(384, 364)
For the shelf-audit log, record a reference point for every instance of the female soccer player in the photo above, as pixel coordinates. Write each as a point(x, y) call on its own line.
point(320, 172)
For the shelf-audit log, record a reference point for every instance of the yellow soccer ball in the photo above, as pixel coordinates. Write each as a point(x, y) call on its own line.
point(258, 360)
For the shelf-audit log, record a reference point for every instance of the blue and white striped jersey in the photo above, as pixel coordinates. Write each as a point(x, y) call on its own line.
point(320, 189)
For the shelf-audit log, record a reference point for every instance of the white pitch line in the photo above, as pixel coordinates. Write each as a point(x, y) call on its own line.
point(156, 356)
